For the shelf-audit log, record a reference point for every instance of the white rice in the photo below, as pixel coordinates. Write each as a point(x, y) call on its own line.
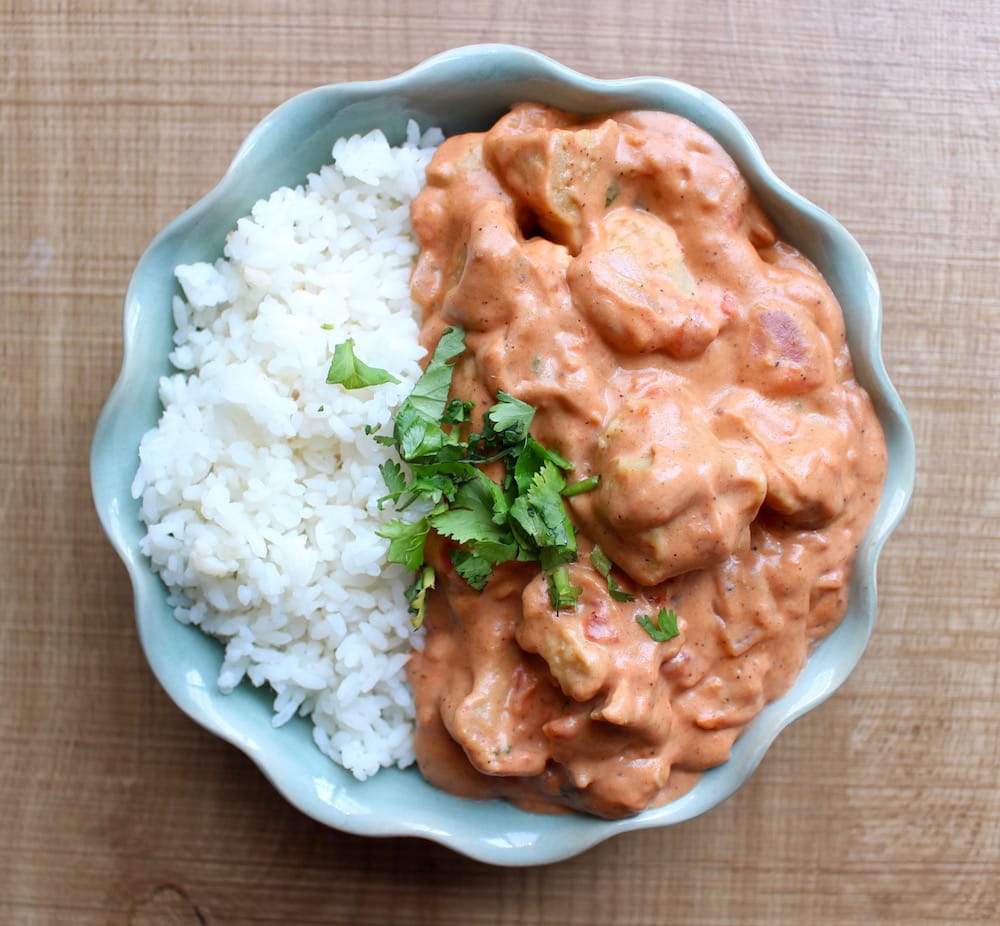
point(259, 485)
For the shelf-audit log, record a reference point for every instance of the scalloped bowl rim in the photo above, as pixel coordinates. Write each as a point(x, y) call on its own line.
point(400, 803)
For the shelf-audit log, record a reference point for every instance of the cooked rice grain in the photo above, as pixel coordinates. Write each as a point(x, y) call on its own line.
point(259, 485)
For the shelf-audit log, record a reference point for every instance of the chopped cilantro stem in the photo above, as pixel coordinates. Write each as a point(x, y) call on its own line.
point(416, 594)
point(600, 561)
point(581, 486)
point(562, 592)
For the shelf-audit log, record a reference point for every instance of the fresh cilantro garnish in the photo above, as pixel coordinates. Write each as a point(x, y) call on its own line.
point(522, 518)
point(581, 486)
point(472, 520)
point(472, 567)
point(417, 430)
point(406, 541)
point(617, 592)
point(394, 479)
point(429, 398)
point(665, 627)
point(599, 560)
point(416, 594)
point(457, 411)
point(540, 514)
point(511, 417)
point(562, 592)
point(351, 372)
point(530, 459)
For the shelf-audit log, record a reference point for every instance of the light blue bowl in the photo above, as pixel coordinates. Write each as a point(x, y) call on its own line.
point(461, 90)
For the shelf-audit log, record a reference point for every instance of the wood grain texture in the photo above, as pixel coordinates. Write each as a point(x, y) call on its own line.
point(883, 806)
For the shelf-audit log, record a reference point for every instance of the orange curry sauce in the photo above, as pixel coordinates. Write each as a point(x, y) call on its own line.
point(618, 274)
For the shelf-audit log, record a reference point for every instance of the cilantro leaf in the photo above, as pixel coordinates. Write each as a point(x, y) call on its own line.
point(511, 418)
point(665, 627)
point(540, 510)
point(417, 431)
point(522, 518)
point(353, 373)
point(415, 436)
point(434, 487)
point(555, 458)
point(475, 569)
point(531, 458)
point(482, 490)
point(435, 481)
point(465, 525)
point(505, 434)
point(394, 479)
point(496, 551)
point(562, 592)
point(429, 397)
point(406, 541)
point(528, 462)
point(477, 519)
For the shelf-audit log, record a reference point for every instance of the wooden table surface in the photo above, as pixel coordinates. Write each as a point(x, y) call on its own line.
point(882, 806)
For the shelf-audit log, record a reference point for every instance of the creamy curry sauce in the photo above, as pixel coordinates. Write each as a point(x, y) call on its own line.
point(618, 274)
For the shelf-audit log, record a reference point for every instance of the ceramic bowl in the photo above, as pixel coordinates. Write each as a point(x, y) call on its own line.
point(461, 90)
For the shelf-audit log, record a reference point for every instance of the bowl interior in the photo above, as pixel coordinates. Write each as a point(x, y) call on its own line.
point(463, 90)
